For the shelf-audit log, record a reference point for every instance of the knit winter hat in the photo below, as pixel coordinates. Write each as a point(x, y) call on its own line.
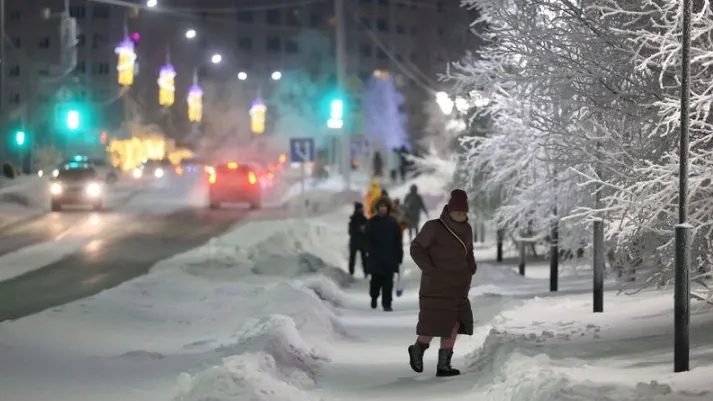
point(458, 201)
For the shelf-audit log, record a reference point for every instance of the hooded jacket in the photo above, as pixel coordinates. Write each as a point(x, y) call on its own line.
point(384, 245)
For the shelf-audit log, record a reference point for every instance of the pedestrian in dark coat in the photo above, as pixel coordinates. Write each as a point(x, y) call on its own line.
point(357, 237)
point(413, 206)
point(385, 253)
point(443, 250)
point(403, 168)
point(378, 165)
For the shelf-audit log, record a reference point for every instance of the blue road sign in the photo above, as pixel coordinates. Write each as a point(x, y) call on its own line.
point(302, 150)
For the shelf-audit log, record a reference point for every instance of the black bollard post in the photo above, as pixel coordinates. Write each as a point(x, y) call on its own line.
point(598, 266)
point(501, 234)
point(554, 256)
point(681, 301)
point(521, 265)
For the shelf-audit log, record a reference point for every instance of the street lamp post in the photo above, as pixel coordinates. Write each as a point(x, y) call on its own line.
point(682, 300)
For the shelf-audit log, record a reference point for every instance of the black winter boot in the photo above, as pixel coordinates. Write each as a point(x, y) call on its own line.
point(444, 368)
point(374, 303)
point(415, 353)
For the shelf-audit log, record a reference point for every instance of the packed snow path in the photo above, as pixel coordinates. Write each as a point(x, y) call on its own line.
point(374, 364)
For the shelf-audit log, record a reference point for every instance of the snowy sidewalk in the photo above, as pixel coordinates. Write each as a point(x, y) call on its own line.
point(528, 345)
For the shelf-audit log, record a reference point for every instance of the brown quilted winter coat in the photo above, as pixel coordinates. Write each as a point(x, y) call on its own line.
point(443, 250)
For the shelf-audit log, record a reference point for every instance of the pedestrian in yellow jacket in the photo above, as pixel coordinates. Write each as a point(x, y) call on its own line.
point(371, 196)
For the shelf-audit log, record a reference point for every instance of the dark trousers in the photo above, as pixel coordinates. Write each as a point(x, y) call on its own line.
point(402, 171)
point(353, 249)
point(382, 284)
point(412, 230)
point(394, 175)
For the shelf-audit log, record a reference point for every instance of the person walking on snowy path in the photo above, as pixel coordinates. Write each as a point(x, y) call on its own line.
point(413, 206)
point(357, 240)
point(443, 250)
point(385, 253)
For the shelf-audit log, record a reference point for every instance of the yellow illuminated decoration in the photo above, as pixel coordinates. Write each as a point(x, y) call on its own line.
point(195, 104)
point(167, 86)
point(126, 66)
point(257, 117)
point(146, 142)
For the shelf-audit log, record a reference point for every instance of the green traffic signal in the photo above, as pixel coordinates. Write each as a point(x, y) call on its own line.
point(337, 109)
point(336, 113)
point(20, 138)
point(73, 119)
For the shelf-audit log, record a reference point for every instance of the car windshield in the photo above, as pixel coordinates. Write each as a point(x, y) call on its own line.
point(232, 169)
point(77, 174)
point(98, 162)
point(156, 163)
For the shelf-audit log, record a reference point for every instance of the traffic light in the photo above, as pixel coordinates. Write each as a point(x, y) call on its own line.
point(20, 138)
point(336, 114)
point(73, 119)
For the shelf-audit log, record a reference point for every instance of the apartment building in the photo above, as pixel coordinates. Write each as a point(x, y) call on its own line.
point(411, 39)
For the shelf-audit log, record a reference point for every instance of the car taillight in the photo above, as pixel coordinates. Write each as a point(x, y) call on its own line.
point(252, 178)
point(212, 178)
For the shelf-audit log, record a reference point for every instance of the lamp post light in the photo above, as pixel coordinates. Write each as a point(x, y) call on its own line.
point(276, 76)
point(191, 34)
point(151, 3)
point(242, 76)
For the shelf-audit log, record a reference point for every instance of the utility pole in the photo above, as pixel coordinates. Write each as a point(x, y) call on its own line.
point(3, 76)
point(341, 51)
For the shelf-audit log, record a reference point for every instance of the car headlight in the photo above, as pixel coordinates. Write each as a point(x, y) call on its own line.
point(55, 173)
point(55, 188)
point(137, 173)
point(158, 173)
point(94, 189)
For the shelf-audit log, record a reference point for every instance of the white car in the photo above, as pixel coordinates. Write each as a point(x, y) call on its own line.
point(105, 171)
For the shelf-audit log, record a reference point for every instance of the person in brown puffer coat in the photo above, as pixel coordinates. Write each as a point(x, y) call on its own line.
point(443, 250)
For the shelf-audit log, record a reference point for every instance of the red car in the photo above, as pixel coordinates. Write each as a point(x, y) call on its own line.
point(233, 183)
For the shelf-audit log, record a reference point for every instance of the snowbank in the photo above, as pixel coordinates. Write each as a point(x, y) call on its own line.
point(243, 317)
point(556, 349)
point(286, 249)
point(274, 362)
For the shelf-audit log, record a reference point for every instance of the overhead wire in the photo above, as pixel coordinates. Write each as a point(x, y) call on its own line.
point(419, 77)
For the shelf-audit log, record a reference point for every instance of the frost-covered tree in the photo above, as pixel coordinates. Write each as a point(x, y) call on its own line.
point(569, 112)
point(300, 95)
point(383, 119)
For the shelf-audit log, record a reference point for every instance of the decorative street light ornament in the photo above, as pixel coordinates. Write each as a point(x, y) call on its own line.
point(167, 85)
point(126, 66)
point(195, 104)
point(257, 117)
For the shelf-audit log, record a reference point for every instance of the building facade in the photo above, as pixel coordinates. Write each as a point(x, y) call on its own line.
point(411, 39)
